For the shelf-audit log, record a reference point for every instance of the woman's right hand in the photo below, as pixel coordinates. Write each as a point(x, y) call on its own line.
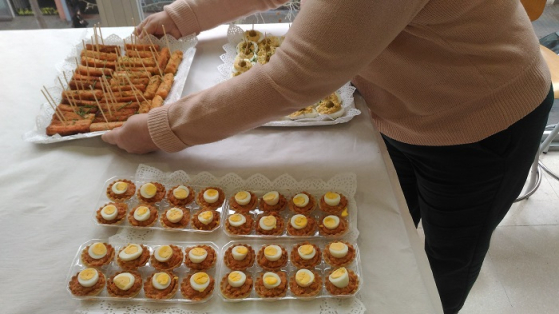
point(154, 23)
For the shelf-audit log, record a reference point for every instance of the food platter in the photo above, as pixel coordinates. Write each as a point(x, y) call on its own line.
point(345, 93)
point(65, 69)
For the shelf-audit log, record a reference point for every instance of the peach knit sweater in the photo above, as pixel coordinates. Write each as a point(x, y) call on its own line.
point(433, 72)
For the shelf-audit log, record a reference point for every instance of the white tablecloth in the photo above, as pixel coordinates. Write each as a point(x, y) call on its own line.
point(48, 190)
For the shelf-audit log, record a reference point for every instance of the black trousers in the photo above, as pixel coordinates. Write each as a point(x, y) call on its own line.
point(462, 192)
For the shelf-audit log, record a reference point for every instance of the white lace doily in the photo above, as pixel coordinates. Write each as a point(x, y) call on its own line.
point(38, 134)
point(345, 183)
point(235, 35)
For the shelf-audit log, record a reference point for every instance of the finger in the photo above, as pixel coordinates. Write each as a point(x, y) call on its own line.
point(175, 33)
point(110, 137)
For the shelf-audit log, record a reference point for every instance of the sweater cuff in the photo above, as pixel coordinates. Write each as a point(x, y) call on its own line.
point(161, 133)
point(181, 13)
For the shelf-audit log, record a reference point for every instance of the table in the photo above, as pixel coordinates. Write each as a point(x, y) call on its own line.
point(48, 189)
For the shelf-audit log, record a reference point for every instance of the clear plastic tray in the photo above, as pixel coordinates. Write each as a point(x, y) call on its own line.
point(161, 207)
point(145, 271)
point(322, 269)
point(286, 214)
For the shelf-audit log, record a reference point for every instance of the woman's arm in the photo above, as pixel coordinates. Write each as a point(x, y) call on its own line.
point(329, 43)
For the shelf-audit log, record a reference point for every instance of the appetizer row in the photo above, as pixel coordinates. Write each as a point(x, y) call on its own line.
point(163, 257)
point(275, 257)
point(260, 48)
point(147, 215)
point(108, 86)
point(272, 224)
point(158, 285)
point(303, 283)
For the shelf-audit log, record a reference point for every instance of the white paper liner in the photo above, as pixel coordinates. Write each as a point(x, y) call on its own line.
point(345, 183)
point(235, 35)
point(43, 119)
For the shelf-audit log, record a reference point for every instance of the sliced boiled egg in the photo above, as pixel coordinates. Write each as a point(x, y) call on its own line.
point(338, 249)
point(272, 252)
point(242, 198)
point(142, 213)
point(299, 221)
point(267, 222)
point(271, 198)
point(301, 200)
point(119, 187)
point(163, 253)
point(206, 217)
point(161, 280)
point(331, 222)
point(236, 278)
point(197, 255)
point(305, 113)
point(332, 198)
point(200, 281)
point(211, 195)
point(239, 252)
point(88, 277)
point(97, 250)
point(306, 251)
point(181, 192)
point(339, 277)
point(271, 280)
point(237, 220)
point(148, 190)
point(131, 252)
point(109, 212)
point(304, 277)
point(174, 215)
point(124, 281)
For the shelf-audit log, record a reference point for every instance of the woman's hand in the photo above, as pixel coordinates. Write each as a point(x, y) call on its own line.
point(154, 23)
point(133, 136)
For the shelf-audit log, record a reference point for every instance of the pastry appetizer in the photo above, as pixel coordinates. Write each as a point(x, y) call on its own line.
point(161, 285)
point(97, 254)
point(236, 285)
point(239, 224)
point(243, 202)
point(201, 257)
point(143, 216)
point(166, 257)
point(121, 190)
point(132, 256)
point(272, 257)
point(239, 257)
point(269, 224)
point(180, 195)
point(301, 225)
point(342, 281)
point(124, 284)
point(305, 283)
point(210, 198)
point(198, 286)
point(302, 203)
point(305, 255)
point(175, 218)
point(111, 213)
point(88, 282)
point(273, 201)
point(339, 254)
point(206, 220)
point(333, 203)
point(332, 225)
point(271, 284)
point(151, 192)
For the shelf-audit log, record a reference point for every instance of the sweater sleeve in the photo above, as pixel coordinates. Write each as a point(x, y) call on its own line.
point(329, 42)
point(194, 16)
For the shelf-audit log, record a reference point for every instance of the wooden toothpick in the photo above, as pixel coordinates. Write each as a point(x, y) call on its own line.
point(99, 106)
point(156, 63)
point(166, 38)
point(60, 117)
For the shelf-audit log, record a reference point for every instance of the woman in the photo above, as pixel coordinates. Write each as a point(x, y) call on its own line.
point(458, 89)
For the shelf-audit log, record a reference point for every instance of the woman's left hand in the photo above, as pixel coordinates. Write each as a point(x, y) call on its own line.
point(133, 136)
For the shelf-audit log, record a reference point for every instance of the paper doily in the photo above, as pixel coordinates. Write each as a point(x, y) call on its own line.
point(235, 35)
